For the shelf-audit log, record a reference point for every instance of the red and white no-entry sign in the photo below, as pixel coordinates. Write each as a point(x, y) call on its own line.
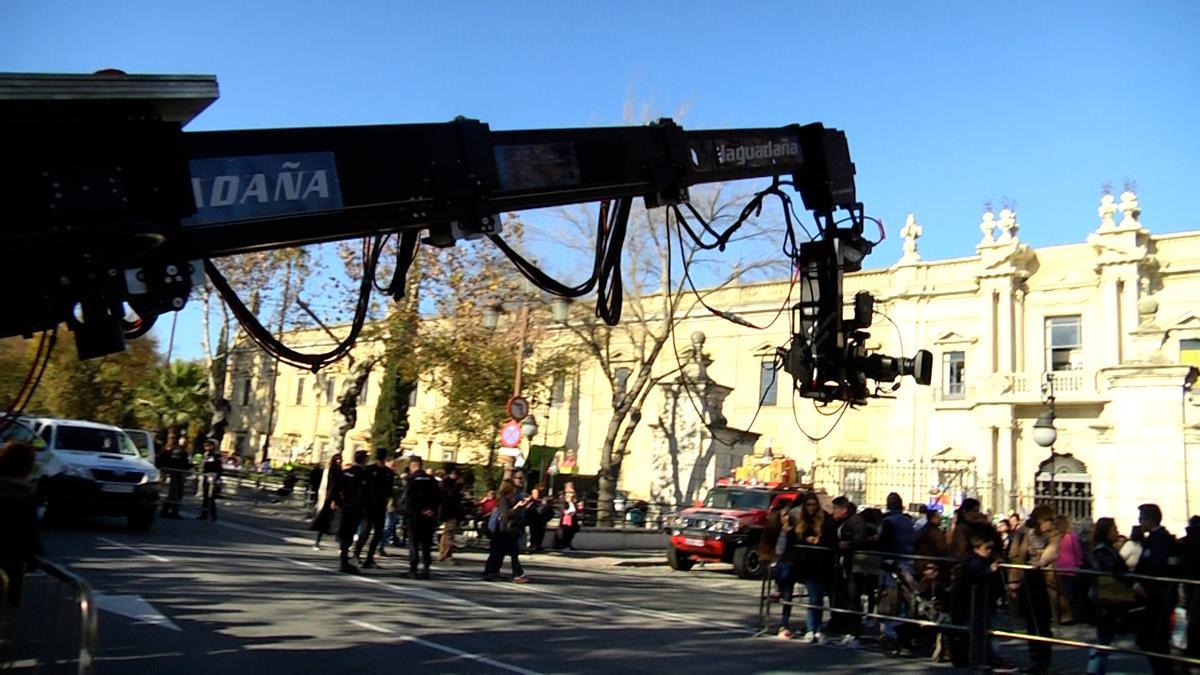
point(510, 434)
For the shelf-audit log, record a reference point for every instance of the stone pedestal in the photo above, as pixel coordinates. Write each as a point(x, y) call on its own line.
point(693, 444)
point(1140, 453)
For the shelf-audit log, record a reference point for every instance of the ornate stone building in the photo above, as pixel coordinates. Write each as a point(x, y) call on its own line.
point(1114, 320)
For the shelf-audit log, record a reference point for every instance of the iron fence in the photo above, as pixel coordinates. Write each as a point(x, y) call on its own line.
point(1071, 498)
point(53, 630)
point(942, 483)
point(918, 593)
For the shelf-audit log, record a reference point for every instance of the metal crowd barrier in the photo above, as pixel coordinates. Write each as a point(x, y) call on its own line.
point(251, 485)
point(766, 601)
point(655, 517)
point(55, 629)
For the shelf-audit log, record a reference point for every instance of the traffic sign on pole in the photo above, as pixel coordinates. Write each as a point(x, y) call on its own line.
point(517, 408)
point(510, 434)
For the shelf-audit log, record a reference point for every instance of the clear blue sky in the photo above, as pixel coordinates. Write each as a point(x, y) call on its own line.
point(946, 105)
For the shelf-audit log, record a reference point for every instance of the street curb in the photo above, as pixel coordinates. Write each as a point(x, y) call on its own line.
point(640, 563)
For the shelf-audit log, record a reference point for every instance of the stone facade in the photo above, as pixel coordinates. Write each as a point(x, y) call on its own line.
point(1114, 318)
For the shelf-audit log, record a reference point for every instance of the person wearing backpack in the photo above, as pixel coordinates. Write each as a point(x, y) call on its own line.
point(506, 524)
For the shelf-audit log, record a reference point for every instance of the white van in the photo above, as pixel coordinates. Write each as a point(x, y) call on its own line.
point(85, 467)
point(144, 441)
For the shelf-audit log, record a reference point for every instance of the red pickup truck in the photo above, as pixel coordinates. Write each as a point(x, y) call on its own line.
point(727, 526)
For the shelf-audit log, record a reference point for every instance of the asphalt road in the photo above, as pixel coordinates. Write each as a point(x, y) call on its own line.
point(247, 594)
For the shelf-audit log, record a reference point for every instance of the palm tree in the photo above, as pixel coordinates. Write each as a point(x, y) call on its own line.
point(175, 397)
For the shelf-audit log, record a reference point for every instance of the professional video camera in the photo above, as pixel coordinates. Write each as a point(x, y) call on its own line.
point(828, 356)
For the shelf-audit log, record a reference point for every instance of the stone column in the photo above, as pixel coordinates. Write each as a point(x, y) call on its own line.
point(1141, 456)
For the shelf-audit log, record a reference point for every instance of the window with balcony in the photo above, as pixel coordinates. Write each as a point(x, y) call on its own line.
point(768, 382)
point(1189, 353)
point(954, 365)
point(1064, 343)
point(300, 382)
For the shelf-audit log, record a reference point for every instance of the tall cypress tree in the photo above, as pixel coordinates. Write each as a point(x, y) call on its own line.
point(390, 425)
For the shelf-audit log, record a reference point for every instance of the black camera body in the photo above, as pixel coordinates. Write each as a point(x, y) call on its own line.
point(827, 355)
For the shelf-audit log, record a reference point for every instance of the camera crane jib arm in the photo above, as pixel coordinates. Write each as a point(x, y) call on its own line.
point(112, 204)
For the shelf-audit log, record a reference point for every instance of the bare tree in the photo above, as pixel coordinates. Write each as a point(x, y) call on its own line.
point(655, 298)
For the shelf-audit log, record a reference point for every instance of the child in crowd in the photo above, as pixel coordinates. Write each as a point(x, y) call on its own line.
point(973, 604)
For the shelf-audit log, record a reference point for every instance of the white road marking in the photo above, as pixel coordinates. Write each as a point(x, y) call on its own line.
point(446, 649)
point(134, 607)
point(139, 551)
point(422, 593)
point(660, 615)
point(252, 530)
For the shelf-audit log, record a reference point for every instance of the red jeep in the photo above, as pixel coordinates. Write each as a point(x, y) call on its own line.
point(727, 527)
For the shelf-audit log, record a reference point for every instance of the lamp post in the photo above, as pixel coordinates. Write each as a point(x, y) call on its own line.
point(491, 319)
point(1044, 433)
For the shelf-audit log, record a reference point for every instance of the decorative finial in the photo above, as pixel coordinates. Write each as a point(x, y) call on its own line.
point(988, 226)
point(1107, 208)
point(1131, 209)
point(1008, 225)
point(911, 232)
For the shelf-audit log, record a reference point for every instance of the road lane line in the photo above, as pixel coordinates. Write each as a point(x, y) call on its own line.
point(446, 649)
point(632, 609)
point(658, 615)
point(468, 655)
point(421, 593)
point(139, 551)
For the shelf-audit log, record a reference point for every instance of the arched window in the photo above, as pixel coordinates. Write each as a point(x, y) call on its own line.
point(1063, 483)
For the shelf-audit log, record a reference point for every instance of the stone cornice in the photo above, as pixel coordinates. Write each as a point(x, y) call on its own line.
point(1146, 375)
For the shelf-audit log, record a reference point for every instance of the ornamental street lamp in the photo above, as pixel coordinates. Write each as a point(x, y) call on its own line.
point(1044, 433)
point(529, 428)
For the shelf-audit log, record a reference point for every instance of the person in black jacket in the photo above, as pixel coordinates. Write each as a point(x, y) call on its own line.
point(350, 496)
point(451, 513)
point(175, 465)
point(210, 471)
point(1191, 570)
point(506, 536)
point(424, 501)
point(537, 514)
point(326, 492)
point(19, 543)
point(1105, 594)
point(972, 606)
point(1161, 557)
point(851, 535)
point(380, 480)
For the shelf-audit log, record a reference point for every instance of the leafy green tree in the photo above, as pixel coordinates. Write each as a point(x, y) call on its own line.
point(176, 398)
point(100, 390)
